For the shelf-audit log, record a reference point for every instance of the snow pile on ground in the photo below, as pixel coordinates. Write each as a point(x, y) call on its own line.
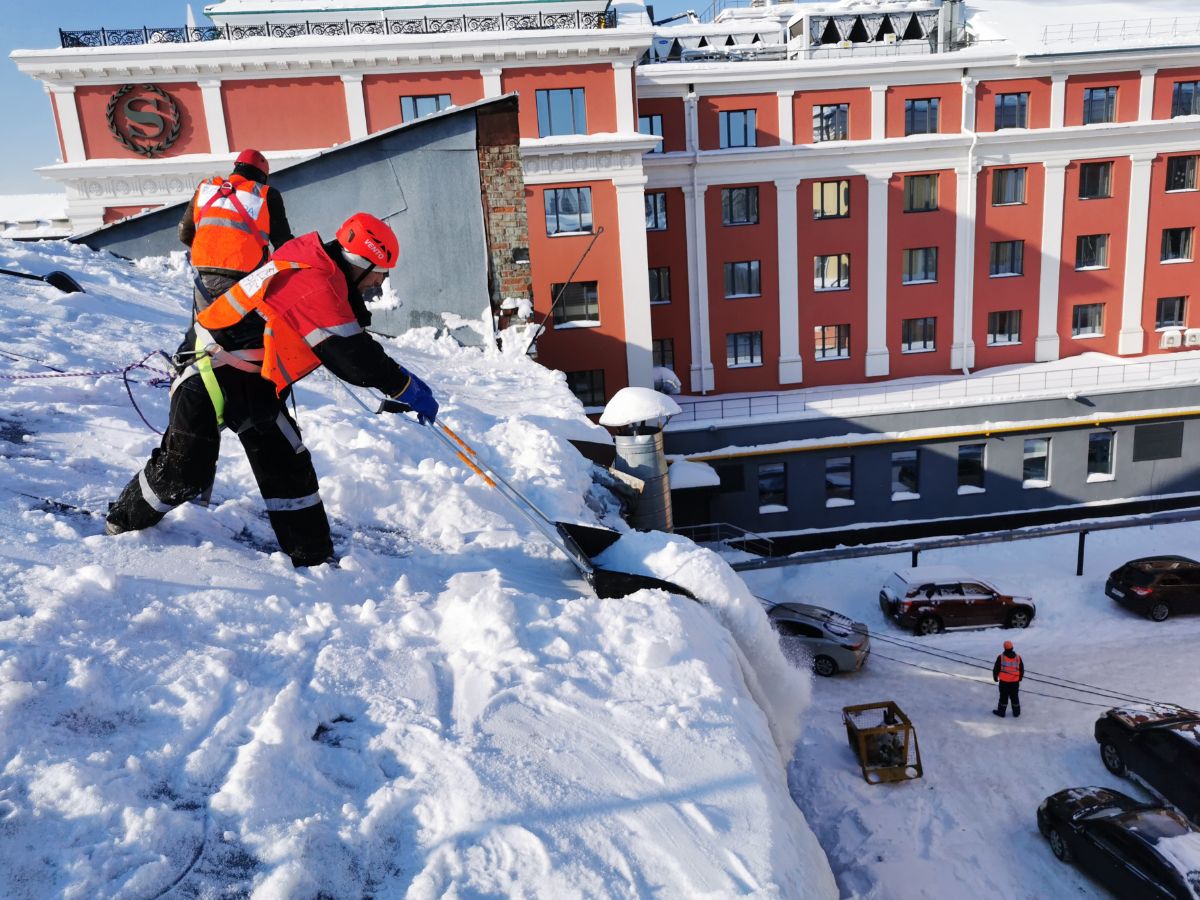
point(448, 712)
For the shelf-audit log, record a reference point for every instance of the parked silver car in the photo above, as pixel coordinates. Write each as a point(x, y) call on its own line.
point(833, 642)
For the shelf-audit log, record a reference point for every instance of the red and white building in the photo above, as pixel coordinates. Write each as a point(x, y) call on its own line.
point(791, 196)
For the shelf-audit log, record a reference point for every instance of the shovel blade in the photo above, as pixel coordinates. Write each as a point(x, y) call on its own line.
point(63, 282)
point(592, 541)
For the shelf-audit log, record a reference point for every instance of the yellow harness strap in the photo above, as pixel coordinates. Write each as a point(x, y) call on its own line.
point(205, 367)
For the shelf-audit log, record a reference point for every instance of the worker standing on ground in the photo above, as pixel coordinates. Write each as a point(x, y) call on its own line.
point(301, 310)
point(1008, 672)
point(229, 224)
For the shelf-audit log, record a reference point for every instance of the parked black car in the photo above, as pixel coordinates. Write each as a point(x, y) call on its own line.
point(1157, 586)
point(1137, 850)
point(1159, 746)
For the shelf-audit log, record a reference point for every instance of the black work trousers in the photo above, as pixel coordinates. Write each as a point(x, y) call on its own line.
point(1009, 690)
point(183, 465)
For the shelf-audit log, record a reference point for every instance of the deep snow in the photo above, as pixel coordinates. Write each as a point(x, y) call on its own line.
point(448, 712)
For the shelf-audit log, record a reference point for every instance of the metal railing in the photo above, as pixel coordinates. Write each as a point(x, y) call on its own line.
point(725, 533)
point(1122, 30)
point(185, 34)
point(859, 397)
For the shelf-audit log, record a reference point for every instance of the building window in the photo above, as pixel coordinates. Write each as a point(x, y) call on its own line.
point(737, 128)
point(970, 468)
point(743, 348)
point(1168, 312)
point(651, 125)
point(587, 386)
point(831, 273)
point(660, 284)
point(741, 279)
point(1035, 468)
point(772, 488)
point(1004, 327)
point(1091, 251)
point(580, 302)
point(1007, 258)
point(412, 108)
point(656, 211)
point(663, 353)
point(831, 123)
point(1181, 173)
point(1185, 99)
point(1011, 110)
point(568, 210)
point(561, 111)
point(839, 481)
point(1100, 456)
point(1099, 105)
point(832, 341)
point(1008, 186)
point(917, 335)
point(920, 265)
point(920, 193)
point(906, 483)
point(921, 116)
point(831, 199)
point(1095, 180)
point(739, 206)
point(1087, 320)
point(1177, 244)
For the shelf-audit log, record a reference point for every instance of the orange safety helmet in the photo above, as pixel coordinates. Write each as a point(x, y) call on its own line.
point(1008, 645)
point(366, 238)
point(253, 158)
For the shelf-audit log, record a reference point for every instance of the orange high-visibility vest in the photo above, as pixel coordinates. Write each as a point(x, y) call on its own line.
point(233, 225)
point(1010, 669)
point(287, 357)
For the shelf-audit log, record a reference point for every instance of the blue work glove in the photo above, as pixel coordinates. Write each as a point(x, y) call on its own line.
point(418, 397)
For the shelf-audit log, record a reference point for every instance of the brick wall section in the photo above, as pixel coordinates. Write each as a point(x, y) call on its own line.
point(502, 185)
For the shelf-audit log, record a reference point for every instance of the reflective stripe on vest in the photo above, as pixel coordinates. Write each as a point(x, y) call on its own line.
point(286, 356)
point(233, 224)
point(1010, 669)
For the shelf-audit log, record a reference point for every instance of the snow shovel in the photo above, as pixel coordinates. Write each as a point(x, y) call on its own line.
point(58, 279)
point(578, 542)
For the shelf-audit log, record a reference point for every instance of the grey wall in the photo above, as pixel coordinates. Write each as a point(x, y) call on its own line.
point(421, 178)
point(938, 464)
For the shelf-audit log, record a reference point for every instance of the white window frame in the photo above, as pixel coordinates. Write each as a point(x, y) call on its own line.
point(1111, 474)
point(1033, 483)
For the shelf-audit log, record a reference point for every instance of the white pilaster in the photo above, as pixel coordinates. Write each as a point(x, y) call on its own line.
point(1046, 346)
point(214, 115)
point(356, 107)
point(878, 111)
point(968, 104)
point(962, 348)
point(1146, 94)
point(635, 285)
point(491, 81)
point(63, 96)
point(626, 114)
point(790, 366)
point(1058, 99)
point(697, 250)
point(787, 127)
point(1132, 338)
point(877, 362)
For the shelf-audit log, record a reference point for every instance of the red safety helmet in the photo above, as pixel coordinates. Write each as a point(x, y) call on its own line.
point(253, 158)
point(370, 239)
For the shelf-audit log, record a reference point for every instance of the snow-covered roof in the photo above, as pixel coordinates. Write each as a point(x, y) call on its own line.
point(685, 474)
point(637, 404)
point(255, 10)
point(34, 215)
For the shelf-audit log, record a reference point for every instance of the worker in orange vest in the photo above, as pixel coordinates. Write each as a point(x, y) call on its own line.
point(303, 309)
point(229, 223)
point(1008, 672)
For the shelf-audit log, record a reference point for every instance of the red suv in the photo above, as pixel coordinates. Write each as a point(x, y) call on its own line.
point(929, 599)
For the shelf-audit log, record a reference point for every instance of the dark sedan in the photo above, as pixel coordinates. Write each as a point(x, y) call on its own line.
point(1157, 586)
point(1136, 850)
point(1160, 746)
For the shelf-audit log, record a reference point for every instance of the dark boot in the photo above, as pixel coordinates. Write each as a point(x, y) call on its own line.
point(1016, 712)
point(998, 712)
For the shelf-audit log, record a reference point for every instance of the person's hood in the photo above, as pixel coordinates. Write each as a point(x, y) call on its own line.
point(1010, 653)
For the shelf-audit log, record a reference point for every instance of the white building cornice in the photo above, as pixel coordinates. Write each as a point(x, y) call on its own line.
point(259, 57)
point(596, 157)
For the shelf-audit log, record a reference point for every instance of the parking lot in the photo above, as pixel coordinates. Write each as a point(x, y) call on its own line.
point(969, 823)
